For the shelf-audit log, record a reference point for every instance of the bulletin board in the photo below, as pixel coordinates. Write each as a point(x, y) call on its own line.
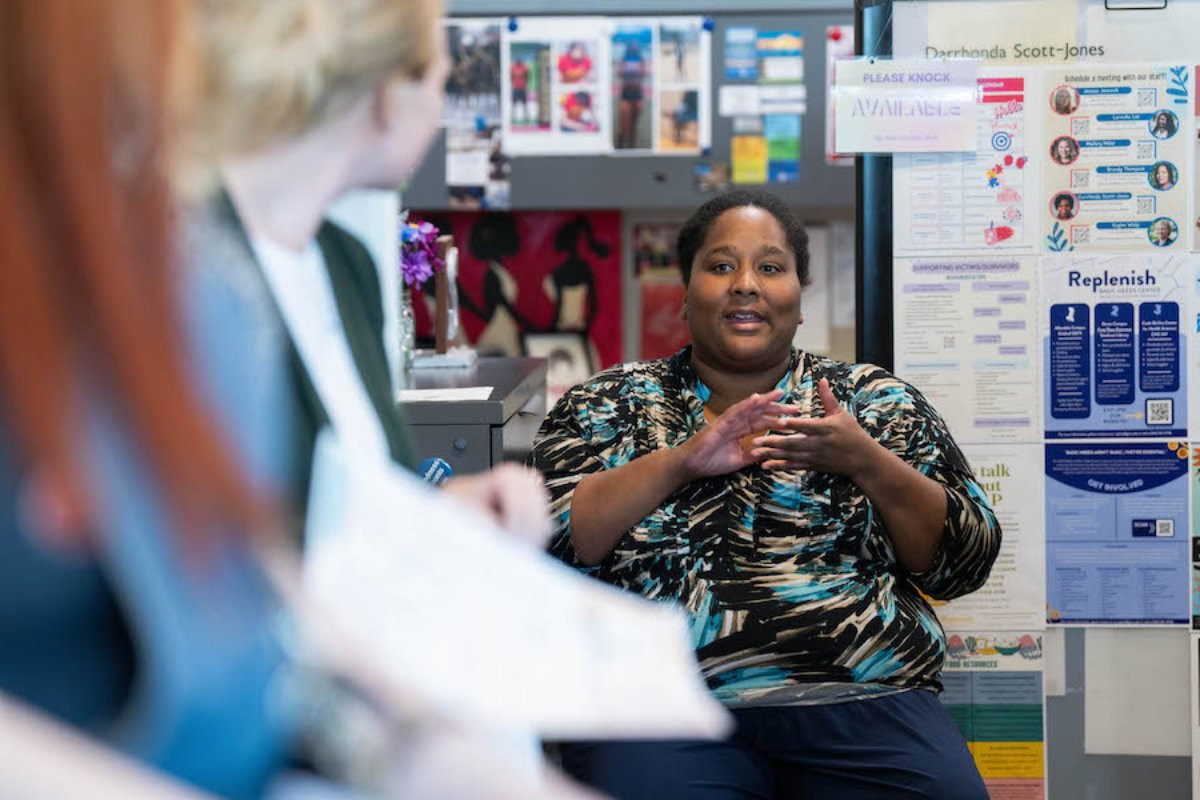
point(1054, 260)
point(669, 181)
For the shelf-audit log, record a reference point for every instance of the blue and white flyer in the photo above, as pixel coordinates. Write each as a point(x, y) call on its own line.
point(1114, 345)
point(1117, 542)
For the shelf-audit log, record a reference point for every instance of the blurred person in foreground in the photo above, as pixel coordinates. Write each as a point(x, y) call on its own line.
point(145, 414)
point(798, 508)
point(131, 606)
point(300, 102)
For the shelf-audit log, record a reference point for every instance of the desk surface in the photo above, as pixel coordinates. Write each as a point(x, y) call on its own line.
point(513, 382)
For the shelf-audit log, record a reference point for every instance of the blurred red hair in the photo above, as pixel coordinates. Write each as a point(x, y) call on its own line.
point(87, 298)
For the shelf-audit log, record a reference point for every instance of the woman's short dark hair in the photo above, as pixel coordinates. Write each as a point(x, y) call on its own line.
point(695, 230)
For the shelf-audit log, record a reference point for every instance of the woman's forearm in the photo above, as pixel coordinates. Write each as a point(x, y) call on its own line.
point(913, 507)
point(608, 503)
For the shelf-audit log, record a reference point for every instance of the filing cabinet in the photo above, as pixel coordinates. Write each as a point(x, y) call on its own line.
point(474, 435)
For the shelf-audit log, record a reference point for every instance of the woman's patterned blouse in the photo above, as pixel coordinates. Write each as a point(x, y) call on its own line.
point(788, 576)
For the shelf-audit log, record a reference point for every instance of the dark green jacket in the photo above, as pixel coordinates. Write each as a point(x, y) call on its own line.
point(360, 306)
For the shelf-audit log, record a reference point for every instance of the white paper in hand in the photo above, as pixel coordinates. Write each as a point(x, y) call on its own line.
point(487, 629)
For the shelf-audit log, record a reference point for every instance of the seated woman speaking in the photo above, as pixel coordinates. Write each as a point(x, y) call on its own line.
point(797, 508)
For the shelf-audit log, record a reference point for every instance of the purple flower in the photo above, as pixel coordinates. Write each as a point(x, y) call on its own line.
point(418, 252)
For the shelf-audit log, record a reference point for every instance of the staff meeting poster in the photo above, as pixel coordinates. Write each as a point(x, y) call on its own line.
point(1114, 346)
point(1116, 147)
point(1117, 542)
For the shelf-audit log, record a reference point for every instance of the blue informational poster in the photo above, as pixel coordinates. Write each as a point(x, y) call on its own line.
point(1117, 543)
point(780, 56)
point(741, 53)
point(1115, 346)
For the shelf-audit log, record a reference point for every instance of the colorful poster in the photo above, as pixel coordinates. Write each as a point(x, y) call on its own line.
point(782, 132)
point(529, 101)
point(477, 168)
point(994, 692)
point(534, 272)
point(683, 85)
point(982, 201)
point(839, 43)
point(679, 126)
point(664, 330)
point(558, 89)
point(1116, 174)
point(741, 53)
point(966, 336)
point(1117, 544)
point(633, 86)
point(1014, 597)
point(654, 251)
point(905, 106)
point(749, 155)
point(1113, 345)
point(781, 56)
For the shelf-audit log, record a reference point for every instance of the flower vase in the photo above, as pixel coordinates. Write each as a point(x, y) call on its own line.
point(408, 329)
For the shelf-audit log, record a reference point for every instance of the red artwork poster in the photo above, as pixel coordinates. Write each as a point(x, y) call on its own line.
point(663, 330)
point(534, 272)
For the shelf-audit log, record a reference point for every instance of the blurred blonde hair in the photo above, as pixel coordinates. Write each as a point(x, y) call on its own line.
point(273, 69)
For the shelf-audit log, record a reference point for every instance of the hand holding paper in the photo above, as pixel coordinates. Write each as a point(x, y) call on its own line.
point(490, 632)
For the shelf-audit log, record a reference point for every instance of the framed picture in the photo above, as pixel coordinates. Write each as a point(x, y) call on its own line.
point(570, 362)
point(654, 248)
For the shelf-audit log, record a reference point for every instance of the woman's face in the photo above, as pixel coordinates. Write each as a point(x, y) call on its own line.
point(1160, 121)
point(1162, 230)
point(743, 299)
point(1162, 175)
point(1063, 207)
point(1063, 150)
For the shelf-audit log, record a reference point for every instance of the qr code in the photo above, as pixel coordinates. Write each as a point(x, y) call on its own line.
point(1145, 151)
point(1081, 234)
point(1080, 126)
point(1160, 412)
point(1079, 179)
point(1145, 205)
point(1164, 527)
point(1145, 97)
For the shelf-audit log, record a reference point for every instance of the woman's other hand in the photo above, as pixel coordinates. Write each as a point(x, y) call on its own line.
point(513, 496)
point(834, 443)
point(722, 446)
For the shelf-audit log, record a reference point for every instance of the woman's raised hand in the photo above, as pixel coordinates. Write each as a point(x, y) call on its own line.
point(718, 449)
point(833, 443)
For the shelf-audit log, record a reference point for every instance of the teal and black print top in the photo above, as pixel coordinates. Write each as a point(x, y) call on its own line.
point(788, 576)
